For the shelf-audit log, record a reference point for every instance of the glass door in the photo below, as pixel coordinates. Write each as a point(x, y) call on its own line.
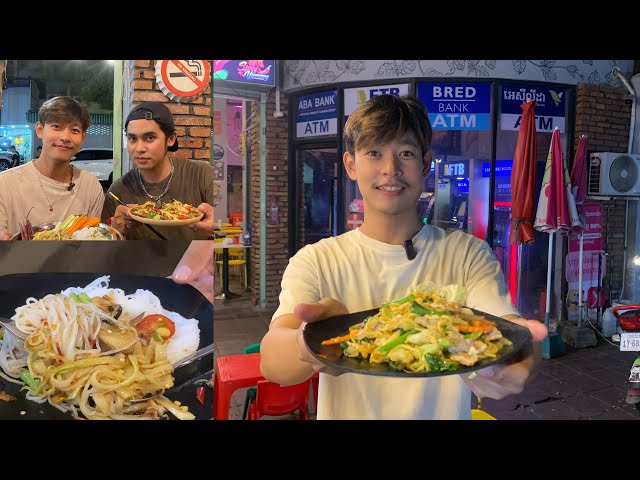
point(318, 172)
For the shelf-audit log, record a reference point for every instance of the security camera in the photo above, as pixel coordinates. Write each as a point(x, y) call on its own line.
point(628, 100)
point(278, 114)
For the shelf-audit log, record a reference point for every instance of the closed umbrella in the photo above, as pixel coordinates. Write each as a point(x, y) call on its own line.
point(523, 178)
point(556, 207)
point(523, 185)
point(579, 190)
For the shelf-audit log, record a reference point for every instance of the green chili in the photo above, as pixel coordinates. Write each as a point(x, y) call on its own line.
point(420, 310)
point(400, 301)
point(395, 342)
point(31, 382)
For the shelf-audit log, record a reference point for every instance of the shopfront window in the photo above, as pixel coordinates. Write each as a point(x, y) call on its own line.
point(229, 160)
point(531, 269)
point(319, 193)
point(352, 98)
point(456, 193)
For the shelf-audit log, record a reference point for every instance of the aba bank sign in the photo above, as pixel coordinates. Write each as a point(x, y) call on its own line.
point(354, 97)
point(550, 107)
point(457, 106)
point(316, 115)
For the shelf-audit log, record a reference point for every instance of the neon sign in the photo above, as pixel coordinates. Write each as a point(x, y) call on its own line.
point(254, 72)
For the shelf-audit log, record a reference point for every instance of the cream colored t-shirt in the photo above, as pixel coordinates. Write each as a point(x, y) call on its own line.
point(363, 273)
point(21, 190)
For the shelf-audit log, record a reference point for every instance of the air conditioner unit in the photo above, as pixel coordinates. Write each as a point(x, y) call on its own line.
point(614, 174)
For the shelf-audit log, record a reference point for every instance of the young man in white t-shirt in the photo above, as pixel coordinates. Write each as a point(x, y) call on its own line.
point(49, 188)
point(387, 151)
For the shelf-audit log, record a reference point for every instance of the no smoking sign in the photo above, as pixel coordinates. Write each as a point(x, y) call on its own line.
point(182, 80)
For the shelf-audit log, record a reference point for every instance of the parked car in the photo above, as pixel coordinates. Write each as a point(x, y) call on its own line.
point(8, 160)
point(98, 161)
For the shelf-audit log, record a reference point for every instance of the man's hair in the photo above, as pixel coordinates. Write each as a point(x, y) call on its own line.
point(64, 110)
point(157, 112)
point(385, 118)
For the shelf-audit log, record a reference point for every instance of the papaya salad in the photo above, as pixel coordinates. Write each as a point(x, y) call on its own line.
point(426, 331)
point(88, 352)
point(173, 210)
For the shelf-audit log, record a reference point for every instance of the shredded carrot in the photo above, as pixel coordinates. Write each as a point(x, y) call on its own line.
point(470, 328)
point(344, 338)
point(92, 222)
point(477, 326)
point(78, 224)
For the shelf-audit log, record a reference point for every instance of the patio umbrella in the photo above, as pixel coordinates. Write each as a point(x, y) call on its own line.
point(556, 207)
point(523, 185)
point(579, 190)
point(523, 178)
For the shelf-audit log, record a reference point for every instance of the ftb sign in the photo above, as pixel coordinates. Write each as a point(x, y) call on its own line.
point(316, 115)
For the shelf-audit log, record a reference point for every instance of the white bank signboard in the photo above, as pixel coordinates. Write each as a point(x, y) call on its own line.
point(316, 115)
point(354, 97)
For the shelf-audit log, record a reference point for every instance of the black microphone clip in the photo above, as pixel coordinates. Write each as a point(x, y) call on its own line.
point(70, 187)
point(409, 250)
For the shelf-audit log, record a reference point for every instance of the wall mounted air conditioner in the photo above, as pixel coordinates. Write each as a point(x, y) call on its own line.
point(614, 174)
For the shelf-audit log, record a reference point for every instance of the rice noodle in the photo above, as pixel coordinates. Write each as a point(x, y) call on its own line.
point(62, 353)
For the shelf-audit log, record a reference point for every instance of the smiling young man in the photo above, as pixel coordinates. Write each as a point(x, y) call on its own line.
point(387, 142)
point(49, 188)
point(156, 176)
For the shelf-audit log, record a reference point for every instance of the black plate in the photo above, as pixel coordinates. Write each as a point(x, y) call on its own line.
point(184, 299)
point(315, 333)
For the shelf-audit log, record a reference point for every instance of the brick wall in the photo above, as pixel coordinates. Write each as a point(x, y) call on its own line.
point(277, 141)
point(192, 119)
point(603, 115)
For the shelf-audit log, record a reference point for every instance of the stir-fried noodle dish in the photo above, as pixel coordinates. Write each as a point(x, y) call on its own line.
point(426, 331)
point(173, 210)
point(98, 353)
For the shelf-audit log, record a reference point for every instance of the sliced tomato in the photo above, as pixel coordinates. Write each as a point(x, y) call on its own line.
point(151, 323)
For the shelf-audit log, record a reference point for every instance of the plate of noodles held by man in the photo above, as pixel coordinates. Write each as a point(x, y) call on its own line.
point(74, 227)
point(170, 214)
point(427, 333)
point(99, 347)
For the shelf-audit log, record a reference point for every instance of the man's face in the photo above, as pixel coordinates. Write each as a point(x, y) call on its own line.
point(60, 141)
point(146, 144)
point(390, 177)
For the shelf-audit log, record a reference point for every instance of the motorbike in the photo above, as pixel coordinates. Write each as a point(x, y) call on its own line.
point(628, 317)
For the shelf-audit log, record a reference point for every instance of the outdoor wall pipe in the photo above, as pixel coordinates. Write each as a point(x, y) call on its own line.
point(632, 126)
point(263, 200)
point(634, 99)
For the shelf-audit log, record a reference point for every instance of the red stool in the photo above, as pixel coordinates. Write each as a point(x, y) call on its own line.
point(275, 400)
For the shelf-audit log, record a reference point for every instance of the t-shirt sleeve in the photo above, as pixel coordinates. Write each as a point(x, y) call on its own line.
point(299, 282)
point(485, 283)
point(4, 221)
point(95, 210)
point(207, 184)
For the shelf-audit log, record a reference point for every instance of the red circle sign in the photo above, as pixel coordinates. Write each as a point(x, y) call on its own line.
point(185, 78)
point(354, 220)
